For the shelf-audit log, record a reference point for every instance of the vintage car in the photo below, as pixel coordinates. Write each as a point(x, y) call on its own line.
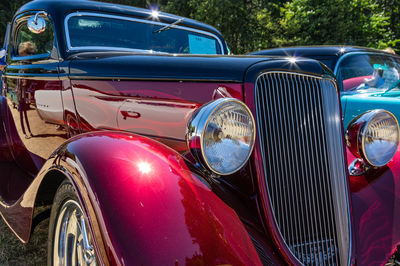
point(152, 146)
point(368, 78)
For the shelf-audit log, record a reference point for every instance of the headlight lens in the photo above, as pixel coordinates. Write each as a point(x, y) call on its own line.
point(374, 136)
point(221, 135)
point(380, 138)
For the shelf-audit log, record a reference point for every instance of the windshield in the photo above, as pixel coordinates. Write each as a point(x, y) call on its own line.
point(369, 72)
point(112, 32)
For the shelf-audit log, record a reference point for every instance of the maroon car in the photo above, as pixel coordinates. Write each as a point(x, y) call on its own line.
point(152, 146)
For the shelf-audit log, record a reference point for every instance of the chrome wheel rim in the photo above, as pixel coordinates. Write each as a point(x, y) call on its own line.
point(72, 243)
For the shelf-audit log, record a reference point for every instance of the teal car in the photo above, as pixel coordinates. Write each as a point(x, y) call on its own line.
point(368, 78)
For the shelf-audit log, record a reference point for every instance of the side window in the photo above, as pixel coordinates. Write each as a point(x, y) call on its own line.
point(27, 43)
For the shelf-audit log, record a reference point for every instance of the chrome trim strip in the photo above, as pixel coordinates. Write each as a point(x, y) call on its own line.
point(93, 14)
point(331, 100)
point(34, 76)
point(293, 159)
point(149, 79)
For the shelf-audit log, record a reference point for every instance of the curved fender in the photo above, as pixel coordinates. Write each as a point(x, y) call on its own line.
point(375, 199)
point(146, 207)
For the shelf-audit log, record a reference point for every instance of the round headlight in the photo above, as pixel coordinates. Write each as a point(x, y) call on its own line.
point(374, 136)
point(221, 135)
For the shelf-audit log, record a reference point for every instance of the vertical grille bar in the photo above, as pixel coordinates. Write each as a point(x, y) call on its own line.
point(301, 144)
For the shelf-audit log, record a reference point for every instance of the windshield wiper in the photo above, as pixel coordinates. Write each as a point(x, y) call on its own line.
point(169, 26)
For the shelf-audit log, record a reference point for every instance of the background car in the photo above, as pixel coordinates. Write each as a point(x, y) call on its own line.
point(368, 78)
point(152, 146)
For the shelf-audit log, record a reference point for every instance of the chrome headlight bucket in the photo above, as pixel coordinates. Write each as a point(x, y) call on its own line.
point(221, 135)
point(374, 137)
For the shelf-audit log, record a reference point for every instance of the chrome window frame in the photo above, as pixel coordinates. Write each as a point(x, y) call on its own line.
point(103, 15)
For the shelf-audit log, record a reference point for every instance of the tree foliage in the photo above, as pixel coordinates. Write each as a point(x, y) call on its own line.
point(234, 18)
point(352, 22)
point(7, 11)
point(249, 25)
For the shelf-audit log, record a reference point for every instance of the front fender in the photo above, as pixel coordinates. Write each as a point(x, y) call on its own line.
point(146, 207)
point(375, 199)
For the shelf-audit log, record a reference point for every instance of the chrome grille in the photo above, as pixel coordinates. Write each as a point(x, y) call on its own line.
point(301, 143)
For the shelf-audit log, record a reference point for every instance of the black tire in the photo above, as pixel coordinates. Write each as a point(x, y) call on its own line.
point(65, 198)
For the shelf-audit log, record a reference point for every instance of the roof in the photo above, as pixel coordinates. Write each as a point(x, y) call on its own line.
point(328, 54)
point(59, 9)
point(57, 6)
point(306, 51)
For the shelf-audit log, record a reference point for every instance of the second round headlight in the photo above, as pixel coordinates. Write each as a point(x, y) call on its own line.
point(374, 136)
point(380, 138)
point(221, 135)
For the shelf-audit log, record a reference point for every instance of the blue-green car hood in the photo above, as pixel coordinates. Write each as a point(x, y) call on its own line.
point(357, 102)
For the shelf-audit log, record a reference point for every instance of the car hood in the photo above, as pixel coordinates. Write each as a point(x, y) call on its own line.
point(372, 93)
point(358, 102)
point(121, 65)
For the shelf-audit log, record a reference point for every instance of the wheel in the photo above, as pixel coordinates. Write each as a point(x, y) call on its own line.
point(70, 241)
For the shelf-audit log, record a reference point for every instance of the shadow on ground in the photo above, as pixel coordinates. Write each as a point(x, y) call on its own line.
point(13, 252)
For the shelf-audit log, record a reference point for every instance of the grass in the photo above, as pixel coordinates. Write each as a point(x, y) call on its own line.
point(13, 252)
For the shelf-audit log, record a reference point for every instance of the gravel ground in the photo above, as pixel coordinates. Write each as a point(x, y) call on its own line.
point(13, 252)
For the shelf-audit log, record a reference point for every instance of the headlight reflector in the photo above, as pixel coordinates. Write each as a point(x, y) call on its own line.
point(374, 136)
point(221, 135)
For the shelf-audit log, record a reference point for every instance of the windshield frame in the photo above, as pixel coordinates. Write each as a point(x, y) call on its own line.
point(107, 48)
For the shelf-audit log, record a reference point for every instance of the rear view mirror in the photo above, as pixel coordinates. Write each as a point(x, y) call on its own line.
point(36, 23)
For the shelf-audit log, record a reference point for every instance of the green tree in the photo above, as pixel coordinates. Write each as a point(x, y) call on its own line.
point(7, 11)
point(249, 25)
point(351, 22)
point(269, 31)
point(392, 9)
point(236, 19)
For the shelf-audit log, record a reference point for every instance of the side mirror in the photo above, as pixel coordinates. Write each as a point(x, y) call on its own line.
point(36, 23)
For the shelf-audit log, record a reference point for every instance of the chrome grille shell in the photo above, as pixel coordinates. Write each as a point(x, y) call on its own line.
point(301, 145)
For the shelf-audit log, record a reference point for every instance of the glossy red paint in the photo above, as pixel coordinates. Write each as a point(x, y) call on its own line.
point(156, 109)
point(147, 199)
point(162, 206)
point(376, 211)
point(204, 229)
point(353, 133)
point(144, 205)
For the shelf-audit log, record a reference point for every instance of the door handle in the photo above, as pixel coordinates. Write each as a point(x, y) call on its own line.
point(130, 114)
